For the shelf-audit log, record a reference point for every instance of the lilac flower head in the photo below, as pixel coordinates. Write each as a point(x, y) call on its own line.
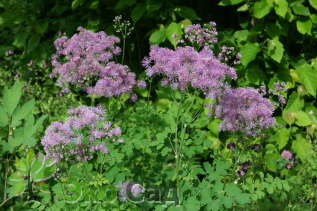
point(134, 97)
point(184, 67)
point(242, 172)
point(79, 136)
point(244, 110)
point(9, 52)
point(202, 35)
point(84, 62)
point(287, 155)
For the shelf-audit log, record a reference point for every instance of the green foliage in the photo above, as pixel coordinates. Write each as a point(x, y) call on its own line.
point(17, 121)
point(170, 143)
point(31, 172)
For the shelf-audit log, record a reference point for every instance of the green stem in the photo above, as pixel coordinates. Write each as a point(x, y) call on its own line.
point(123, 47)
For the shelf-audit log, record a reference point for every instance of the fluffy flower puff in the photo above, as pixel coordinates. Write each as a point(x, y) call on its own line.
point(244, 110)
point(184, 67)
point(84, 61)
point(80, 135)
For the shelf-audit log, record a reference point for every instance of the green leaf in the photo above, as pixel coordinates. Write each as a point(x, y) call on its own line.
point(281, 7)
point(302, 119)
point(300, 9)
point(21, 112)
point(255, 74)
point(4, 119)
point(174, 33)
point(229, 2)
point(294, 103)
point(33, 42)
point(248, 52)
point(192, 204)
point(271, 161)
point(11, 97)
point(138, 12)
point(275, 50)
point(262, 8)
point(243, 8)
point(189, 13)
point(304, 26)
point(241, 35)
point(302, 148)
point(158, 36)
point(77, 3)
point(17, 188)
point(313, 3)
point(282, 137)
point(308, 77)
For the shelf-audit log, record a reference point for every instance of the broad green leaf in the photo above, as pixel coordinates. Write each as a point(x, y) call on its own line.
point(17, 188)
point(271, 161)
point(21, 112)
point(302, 148)
point(313, 3)
point(11, 97)
point(275, 50)
point(4, 119)
point(302, 119)
point(294, 103)
point(158, 36)
point(174, 33)
point(29, 128)
point(281, 7)
point(248, 53)
point(300, 9)
point(243, 8)
point(241, 35)
point(262, 8)
point(192, 204)
point(229, 2)
point(308, 77)
point(137, 12)
point(189, 13)
point(232, 189)
point(77, 3)
point(304, 26)
point(313, 18)
point(282, 137)
point(255, 74)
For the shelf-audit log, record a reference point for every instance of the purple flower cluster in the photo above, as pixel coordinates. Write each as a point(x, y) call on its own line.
point(202, 36)
point(84, 61)
point(227, 55)
point(185, 66)
point(278, 91)
point(288, 156)
point(243, 168)
point(244, 110)
point(80, 135)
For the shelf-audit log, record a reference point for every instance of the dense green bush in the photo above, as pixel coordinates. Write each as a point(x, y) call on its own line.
point(171, 148)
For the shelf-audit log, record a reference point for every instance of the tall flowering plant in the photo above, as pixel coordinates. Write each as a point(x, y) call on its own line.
point(86, 61)
point(241, 109)
point(81, 136)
